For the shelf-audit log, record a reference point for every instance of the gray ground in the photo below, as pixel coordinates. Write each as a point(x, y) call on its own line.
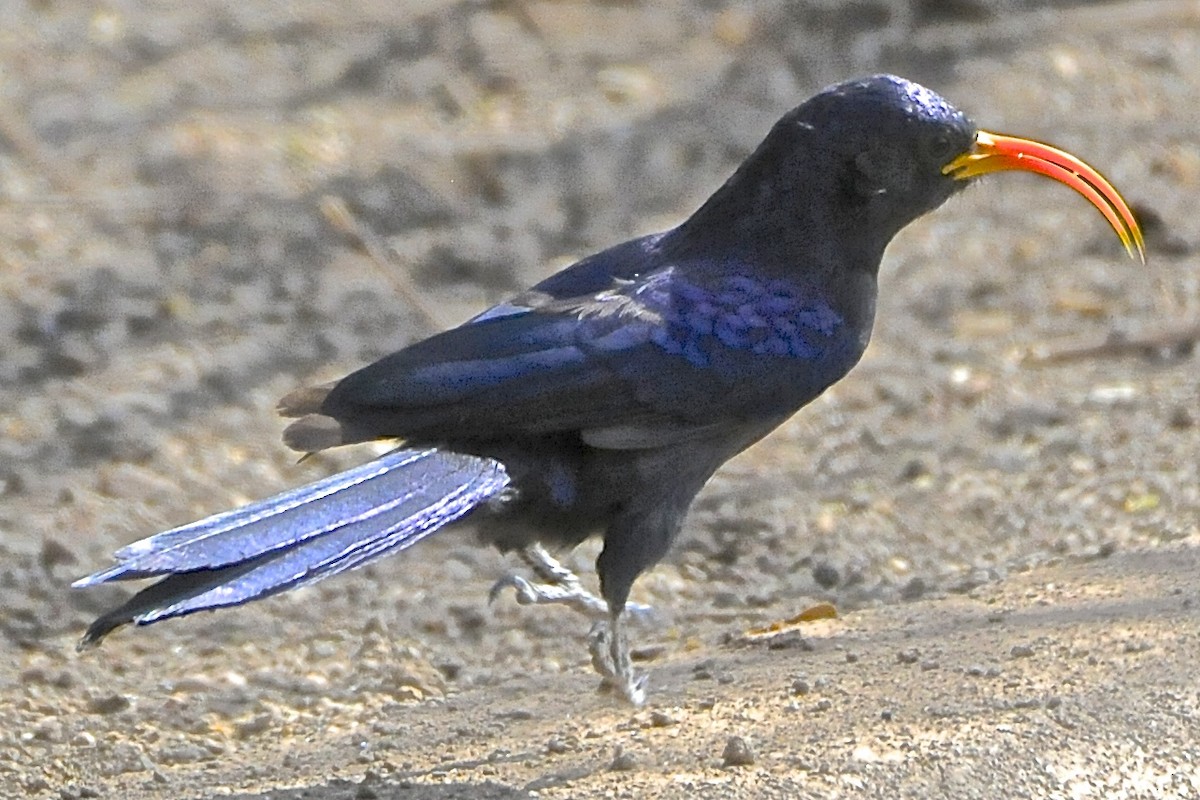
point(1001, 501)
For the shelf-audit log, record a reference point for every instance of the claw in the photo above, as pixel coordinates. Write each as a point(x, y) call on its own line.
point(561, 586)
point(606, 640)
point(528, 593)
point(610, 658)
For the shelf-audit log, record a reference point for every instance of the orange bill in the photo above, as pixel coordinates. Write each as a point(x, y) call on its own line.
point(994, 152)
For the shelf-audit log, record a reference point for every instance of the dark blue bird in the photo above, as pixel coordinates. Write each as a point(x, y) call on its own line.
point(600, 401)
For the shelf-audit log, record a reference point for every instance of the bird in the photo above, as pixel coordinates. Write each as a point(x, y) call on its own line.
point(601, 400)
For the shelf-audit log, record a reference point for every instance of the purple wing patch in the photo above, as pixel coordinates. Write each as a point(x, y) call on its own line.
point(766, 317)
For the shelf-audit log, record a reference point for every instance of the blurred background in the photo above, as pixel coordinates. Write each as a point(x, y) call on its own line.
point(204, 205)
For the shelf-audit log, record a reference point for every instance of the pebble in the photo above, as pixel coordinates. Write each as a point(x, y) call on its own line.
point(737, 753)
point(623, 760)
point(914, 589)
point(660, 719)
point(108, 704)
point(83, 739)
point(826, 575)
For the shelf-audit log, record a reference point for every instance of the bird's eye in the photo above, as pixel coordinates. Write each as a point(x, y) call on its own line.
point(939, 149)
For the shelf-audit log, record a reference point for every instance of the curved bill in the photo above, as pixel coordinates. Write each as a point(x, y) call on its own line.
point(994, 152)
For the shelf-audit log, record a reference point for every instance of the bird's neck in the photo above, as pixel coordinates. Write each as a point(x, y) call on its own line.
point(762, 226)
point(781, 227)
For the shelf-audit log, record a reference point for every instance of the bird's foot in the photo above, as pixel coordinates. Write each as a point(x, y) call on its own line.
point(559, 585)
point(606, 641)
point(529, 593)
point(611, 658)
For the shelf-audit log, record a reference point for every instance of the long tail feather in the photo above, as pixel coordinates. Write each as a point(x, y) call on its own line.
point(297, 537)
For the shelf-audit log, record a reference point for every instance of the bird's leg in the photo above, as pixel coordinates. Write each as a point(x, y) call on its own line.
point(607, 643)
point(549, 568)
point(610, 657)
point(560, 585)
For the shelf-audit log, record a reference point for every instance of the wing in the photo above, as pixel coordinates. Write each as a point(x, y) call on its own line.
point(642, 363)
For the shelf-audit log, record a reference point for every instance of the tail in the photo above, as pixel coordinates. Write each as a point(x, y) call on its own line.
point(297, 537)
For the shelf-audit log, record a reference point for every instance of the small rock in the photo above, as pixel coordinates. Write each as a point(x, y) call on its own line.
point(790, 640)
point(726, 600)
point(649, 652)
point(109, 704)
point(35, 784)
point(622, 761)
point(826, 575)
point(518, 714)
point(659, 719)
point(981, 671)
point(33, 675)
point(556, 747)
point(450, 669)
point(1181, 419)
point(83, 739)
point(49, 730)
point(737, 753)
point(914, 589)
point(54, 553)
point(247, 728)
point(186, 753)
point(1021, 651)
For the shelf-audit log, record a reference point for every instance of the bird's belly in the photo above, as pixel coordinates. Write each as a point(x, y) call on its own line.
point(563, 498)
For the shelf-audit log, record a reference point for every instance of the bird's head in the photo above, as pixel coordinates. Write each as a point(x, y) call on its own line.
point(880, 143)
point(862, 159)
